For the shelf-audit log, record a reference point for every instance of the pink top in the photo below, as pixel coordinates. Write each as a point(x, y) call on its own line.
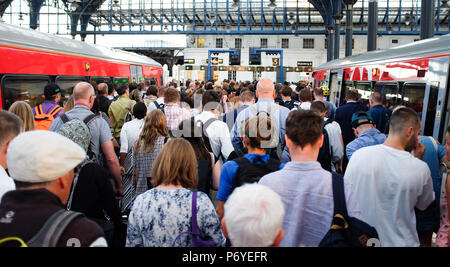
point(442, 235)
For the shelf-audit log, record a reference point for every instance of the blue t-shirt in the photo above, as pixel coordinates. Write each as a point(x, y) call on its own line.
point(429, 218)
point(229, 170)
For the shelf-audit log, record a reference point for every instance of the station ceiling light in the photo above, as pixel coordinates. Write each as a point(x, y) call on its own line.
point(228, 28)
point(236, 4)
point(166, 29)
point(74, 6)
point(444, 7)
point(115, 6)
point(272, 5)
point(212, 18)
point(291, 19)
point(21, 16)
point(389, 28)
point(407, 19)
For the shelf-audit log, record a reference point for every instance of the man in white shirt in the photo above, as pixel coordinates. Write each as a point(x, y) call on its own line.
point(389, 182)
point(10, 127)
point(130, 132)
point(216, 130)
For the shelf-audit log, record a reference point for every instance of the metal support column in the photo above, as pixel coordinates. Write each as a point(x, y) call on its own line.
point(349, 31)
point(373, 24)
point(337, 16)
point(330, 41)
point(427, 19)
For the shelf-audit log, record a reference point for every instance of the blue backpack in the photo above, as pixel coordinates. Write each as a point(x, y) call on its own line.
point(346, 231)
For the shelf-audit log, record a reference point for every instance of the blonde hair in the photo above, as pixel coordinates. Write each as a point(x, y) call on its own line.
point(154, 126)
point(23, 110)
point(69, 104)
point(176, 164)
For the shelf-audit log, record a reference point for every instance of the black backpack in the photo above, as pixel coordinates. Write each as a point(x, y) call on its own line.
point(159, 106)
point(49, 234)
point(325, 153)
point(252, 172)
point(346, 231)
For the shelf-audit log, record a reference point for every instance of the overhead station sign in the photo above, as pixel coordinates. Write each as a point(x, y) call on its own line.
point(304, 64)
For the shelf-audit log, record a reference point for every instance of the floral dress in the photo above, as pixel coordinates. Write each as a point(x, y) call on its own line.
point(159, 216)
point(442, 235)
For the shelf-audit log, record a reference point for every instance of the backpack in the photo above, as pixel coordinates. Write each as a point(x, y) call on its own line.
point(205, 136)
point(50, 233)
point(346, 231)
point(42, 120)
point(325, 152)
point(252, 172)
point(197, 238)
point(86, 121)
point(128, 115)
point(159, 106)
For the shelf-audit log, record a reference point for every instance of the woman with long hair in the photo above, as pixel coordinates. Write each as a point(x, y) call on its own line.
point(150, 142)
point(162, 216)
point(24, 111)
point(191, 132)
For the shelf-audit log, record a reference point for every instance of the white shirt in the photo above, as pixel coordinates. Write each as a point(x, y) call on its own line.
point(151, 106)
point(129, 134)
point(334, 136)
point(218, 133)
point(6, 183)
point(388, 184)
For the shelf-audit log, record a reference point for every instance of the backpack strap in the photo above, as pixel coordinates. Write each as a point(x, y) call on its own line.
point(89, 118)
point(208, 123)
point(64, 118)
point(38, 109)
point(340, 207)
point(55, 110)
point(194, 224)
point(53, 228)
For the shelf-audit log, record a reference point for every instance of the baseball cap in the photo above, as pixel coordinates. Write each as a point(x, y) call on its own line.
point(361, 115)
point(42, 156)
point(51, 89)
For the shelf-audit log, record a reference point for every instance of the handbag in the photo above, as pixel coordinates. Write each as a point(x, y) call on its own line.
point(197, 239)
point(346, 231)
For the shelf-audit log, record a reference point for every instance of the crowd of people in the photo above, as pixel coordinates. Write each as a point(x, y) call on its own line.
point(215, 164)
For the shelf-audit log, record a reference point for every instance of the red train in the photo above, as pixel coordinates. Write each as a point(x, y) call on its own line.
point(30, 59)
point(415, 75)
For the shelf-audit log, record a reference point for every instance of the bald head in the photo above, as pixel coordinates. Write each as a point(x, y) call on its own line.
point(83, 92)
point(102, 89)
point(265, 87)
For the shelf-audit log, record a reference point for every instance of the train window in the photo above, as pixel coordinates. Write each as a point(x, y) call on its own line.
point(413, 95)
point(431, 109)
point(153, 81)
point(390, 93)
point(67, 84)
point(26, 88)
point(98, 80)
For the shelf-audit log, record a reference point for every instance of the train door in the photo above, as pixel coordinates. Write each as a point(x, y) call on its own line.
point(436, 108)
point(136, 73)
point(335, 86)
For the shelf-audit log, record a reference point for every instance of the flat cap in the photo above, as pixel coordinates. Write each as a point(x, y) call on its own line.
point(42, 156)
